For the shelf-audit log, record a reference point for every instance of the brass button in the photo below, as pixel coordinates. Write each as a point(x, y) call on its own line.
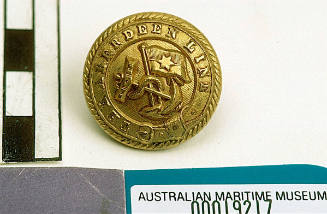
point(152, 80)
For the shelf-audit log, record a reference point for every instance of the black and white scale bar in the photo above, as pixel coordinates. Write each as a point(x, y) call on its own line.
point(31, 116)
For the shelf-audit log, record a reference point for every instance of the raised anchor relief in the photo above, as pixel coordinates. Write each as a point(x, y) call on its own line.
point(165, 73)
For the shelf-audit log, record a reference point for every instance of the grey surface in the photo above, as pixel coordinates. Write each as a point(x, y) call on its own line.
point(61, 190)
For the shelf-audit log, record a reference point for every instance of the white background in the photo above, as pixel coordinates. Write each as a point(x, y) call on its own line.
point(273, 108)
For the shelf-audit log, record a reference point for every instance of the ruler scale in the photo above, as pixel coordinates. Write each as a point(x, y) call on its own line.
point(2, 26)
point(31, 117)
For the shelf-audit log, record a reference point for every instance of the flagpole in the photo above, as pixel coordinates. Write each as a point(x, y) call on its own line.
point(147, 69)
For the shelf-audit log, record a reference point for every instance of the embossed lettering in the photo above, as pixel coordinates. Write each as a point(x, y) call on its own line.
point(156, 28)
point(203, 87)
point(189, 46)
point(171, 32)
point(128, 34)
point(142, 29)
point(100, 82)
point(125, 126)
point(106, 54)
point(113, 115)
point(115, 43)
point(199, 58)
point(203, 72)
point(104, 102)
point(101, 67)
point(145, 133)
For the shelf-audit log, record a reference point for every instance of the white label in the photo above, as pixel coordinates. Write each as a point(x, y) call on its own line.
point(232, 199)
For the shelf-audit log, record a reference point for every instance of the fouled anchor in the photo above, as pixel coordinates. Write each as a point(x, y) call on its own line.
point(152, 80)
point(165, 73)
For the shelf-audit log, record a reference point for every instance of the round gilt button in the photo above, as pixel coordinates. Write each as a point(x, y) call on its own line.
point(152, 80)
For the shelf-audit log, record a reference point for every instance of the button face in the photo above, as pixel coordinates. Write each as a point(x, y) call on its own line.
point(152, 80)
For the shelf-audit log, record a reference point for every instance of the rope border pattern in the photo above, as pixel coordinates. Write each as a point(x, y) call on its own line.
point(197, 35)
